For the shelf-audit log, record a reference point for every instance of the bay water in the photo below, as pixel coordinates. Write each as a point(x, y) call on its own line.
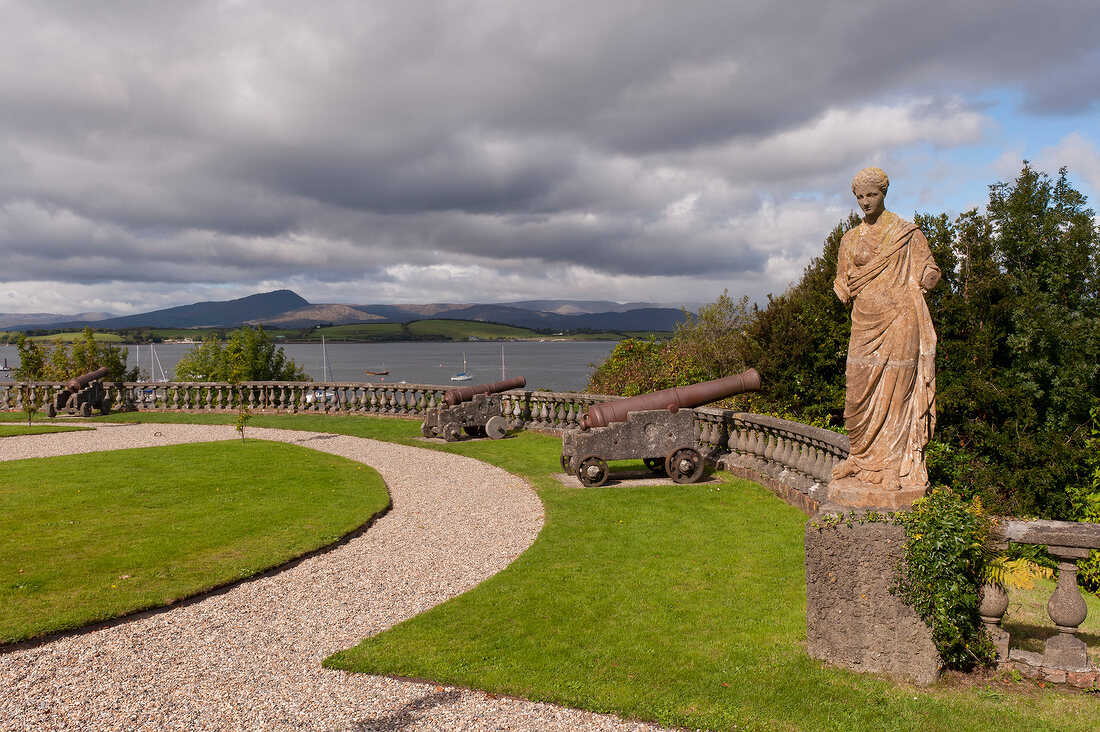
point(553, 365)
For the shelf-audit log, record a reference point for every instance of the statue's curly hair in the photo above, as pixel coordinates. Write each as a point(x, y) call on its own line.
point(871, 177)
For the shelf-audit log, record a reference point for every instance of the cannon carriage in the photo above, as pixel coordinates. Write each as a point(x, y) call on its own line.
point(657, 428)
point(81, 395)
point(471, 410)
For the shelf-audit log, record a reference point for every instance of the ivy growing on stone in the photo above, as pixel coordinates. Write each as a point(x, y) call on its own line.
point(948, 557)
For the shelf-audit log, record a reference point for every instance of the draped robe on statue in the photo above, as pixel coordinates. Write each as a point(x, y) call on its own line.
point(890, 406)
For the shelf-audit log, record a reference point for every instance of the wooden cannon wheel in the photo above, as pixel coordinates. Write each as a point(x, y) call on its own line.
point(684, 465)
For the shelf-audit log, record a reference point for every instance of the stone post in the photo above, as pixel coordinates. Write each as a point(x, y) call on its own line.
point(852, 618)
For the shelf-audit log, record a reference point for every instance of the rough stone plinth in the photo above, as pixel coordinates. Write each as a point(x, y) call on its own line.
point(852, 619)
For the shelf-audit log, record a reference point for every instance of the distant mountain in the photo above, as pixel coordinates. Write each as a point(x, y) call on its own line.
point(580, 307)
point(17, 320)
point(314, 314)
point(637, 319)
point(286, 309)
point(209, 314)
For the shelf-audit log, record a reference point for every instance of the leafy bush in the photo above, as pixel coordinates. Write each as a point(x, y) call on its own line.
point(946, 558)
point(248, 355)
point(63, 360)
point(1086, 504)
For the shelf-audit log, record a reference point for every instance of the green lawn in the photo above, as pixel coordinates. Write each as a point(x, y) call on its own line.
point(85, 538)
point(11, 430)
point(684, 605)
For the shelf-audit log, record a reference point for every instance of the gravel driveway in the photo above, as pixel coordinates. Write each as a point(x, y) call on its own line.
point(250, 658)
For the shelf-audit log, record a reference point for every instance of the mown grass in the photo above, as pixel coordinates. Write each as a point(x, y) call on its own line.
point(12, 430)
point(85, 538)
point(684, 605)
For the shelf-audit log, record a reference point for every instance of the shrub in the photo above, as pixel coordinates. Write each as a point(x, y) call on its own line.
point(947, 557)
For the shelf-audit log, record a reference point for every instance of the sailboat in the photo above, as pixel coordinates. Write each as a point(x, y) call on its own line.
point(154, 359)
point(318, 394)
point(462, 375)
point(5, 367)
point(383, 372)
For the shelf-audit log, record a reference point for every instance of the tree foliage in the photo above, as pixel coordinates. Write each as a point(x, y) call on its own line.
point(247, 355)
point(61, 360)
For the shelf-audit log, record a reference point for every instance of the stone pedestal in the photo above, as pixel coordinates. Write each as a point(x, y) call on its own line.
point(851, 493)
point(852, 619)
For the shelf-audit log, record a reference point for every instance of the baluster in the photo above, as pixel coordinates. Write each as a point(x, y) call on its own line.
point(1068, 610)
point(817, 469)
point(760, 447)
point(992, 609)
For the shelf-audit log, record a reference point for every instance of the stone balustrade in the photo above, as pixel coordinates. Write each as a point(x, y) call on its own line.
point(1065, 655)
point(792, 458)
point(260, 396)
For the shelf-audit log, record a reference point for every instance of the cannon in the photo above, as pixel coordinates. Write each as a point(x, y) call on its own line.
point(657, 428)
point(474, 410)
point(81, 395)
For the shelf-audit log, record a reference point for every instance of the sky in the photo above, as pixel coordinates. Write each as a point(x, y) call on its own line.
point(154, 154)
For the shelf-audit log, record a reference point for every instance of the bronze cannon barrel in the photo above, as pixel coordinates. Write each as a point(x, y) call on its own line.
point(693, 395)
point(83, 380)
point(466, 393)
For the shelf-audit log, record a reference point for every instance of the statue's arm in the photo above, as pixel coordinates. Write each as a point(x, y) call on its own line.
point(922, 255)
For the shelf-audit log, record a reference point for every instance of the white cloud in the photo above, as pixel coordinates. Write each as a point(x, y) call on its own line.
point(1079, 153)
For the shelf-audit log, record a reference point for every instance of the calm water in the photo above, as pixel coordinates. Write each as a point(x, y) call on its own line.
point(554, 365)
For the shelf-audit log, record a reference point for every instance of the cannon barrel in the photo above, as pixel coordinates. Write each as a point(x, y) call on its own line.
point(693, 395)
point(466, 393)
point(83, 380)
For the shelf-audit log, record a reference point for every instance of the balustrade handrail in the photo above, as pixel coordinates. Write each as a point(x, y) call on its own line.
point(1065, 655)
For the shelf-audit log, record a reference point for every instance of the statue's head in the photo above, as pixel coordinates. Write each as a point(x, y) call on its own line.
point(871, 177)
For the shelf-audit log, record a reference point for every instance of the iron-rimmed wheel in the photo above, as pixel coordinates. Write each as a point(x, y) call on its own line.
point(565, 462)
point(657, 465)
point(86, 409)
point(496, 427)
point(592, 471)
point(452, 433)
point(684, 465)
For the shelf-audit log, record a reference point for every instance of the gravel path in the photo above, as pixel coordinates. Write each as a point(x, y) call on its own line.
point(250, 658)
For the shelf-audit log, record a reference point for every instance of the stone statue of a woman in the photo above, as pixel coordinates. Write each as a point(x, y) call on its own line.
point(884, 269)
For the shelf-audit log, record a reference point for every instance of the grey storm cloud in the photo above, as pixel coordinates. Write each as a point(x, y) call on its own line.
point(264, 141)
